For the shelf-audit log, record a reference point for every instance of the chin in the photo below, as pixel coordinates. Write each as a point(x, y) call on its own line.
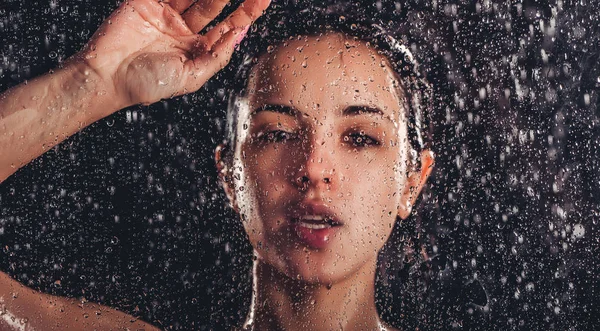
point(319, 268)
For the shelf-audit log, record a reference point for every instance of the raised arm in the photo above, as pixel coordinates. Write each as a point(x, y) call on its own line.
point(147, 50)
point(40, 114)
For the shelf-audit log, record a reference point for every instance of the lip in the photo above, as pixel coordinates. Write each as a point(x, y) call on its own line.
point(312, 231)
point(311, 208)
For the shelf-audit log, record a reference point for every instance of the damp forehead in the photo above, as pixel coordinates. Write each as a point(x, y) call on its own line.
point(328, 71)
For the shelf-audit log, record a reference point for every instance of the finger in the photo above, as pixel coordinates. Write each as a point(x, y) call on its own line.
point(243, 16)
point(203, 12)
point(208, 63)
point(179, 5)
point(166, 19)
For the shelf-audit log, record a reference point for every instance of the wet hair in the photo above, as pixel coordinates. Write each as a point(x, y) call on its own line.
point(289, 20)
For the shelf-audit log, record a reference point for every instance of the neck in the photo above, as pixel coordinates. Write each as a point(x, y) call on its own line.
point(279, 302)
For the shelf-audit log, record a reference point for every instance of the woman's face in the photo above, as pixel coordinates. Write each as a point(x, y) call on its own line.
point(320, 165)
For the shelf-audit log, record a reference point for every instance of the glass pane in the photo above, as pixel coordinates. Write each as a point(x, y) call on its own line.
point(428, 165)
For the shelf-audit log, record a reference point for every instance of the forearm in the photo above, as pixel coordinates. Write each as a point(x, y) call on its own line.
point(25, 309)
point(37, 115)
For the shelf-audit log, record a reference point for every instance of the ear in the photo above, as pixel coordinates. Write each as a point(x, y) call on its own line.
point(416, 180)
point(224, 171)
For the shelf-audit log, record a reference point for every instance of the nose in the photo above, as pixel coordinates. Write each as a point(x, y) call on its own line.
point(318, 168)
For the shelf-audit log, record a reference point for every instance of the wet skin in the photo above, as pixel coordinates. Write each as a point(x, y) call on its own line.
point(324, 129)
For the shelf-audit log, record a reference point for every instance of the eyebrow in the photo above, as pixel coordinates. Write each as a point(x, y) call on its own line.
point(358, 110)
point(281, 109)
point(348, 111)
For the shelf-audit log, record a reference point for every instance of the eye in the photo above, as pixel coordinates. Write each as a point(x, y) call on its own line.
point(276, 136)
point(360, 139)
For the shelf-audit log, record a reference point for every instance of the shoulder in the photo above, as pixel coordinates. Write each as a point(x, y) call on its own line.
point(386, 327)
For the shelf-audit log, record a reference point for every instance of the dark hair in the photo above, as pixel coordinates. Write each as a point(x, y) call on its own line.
point(284, 21)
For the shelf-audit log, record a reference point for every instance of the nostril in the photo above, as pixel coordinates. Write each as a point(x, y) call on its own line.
point(302, 180)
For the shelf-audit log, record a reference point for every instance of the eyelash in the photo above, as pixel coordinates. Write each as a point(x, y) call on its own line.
point(360, 139)
point(276, 136)
point(357, 139)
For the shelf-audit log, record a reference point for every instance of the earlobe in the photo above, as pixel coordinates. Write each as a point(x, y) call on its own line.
point(223, 169)
point(416, 182)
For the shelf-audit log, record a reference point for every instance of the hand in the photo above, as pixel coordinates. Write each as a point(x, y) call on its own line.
point(148, 50)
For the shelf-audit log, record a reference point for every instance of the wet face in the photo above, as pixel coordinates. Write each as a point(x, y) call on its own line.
point(321, 159)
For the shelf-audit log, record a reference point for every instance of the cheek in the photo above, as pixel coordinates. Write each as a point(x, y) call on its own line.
point(260, 181)
point(374, 175)
point(267, 170)
point(375, 188)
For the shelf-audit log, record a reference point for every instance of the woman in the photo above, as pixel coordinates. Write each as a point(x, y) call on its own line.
point(324, 150)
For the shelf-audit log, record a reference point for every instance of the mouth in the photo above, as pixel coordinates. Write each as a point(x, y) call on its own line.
point(316, 222)
point(315, 225)
point(314, 216)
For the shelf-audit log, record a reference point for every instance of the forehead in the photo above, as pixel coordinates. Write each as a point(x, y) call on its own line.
point(328, 72)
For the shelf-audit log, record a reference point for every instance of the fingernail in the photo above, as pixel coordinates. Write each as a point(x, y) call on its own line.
point(241, 36)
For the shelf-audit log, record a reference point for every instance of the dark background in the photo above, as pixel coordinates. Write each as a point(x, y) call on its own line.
point(128, 212)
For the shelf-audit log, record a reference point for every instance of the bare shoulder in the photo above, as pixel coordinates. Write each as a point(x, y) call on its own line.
point(25, 308)
point(73, 313)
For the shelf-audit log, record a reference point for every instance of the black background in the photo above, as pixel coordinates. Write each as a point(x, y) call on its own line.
point(128, 212)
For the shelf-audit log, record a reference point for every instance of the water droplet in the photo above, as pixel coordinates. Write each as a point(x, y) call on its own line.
point(578, 231)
